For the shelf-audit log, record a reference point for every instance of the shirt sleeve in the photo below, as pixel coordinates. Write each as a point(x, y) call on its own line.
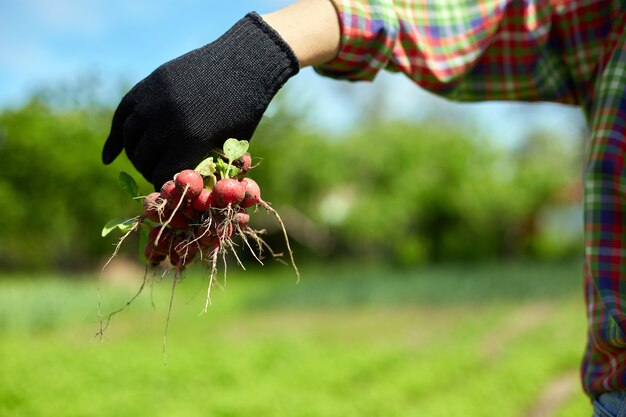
point(460, 49)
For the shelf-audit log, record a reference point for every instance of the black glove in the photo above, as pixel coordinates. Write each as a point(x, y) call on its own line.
point(192, 104)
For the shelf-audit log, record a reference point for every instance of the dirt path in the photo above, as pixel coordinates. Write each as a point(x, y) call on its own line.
point(555, 394)
point(558, 390)
point(523, 320)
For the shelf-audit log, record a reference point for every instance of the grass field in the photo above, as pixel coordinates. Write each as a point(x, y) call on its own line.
point(500, 340)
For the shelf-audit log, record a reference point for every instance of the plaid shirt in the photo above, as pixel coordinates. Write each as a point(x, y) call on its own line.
point(571, 52)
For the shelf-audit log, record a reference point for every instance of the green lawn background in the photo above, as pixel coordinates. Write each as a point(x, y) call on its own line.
point(495, 340)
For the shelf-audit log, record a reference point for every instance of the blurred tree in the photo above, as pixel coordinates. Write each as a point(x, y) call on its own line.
point(55, 194)
point(395, 191)
point(411, 193)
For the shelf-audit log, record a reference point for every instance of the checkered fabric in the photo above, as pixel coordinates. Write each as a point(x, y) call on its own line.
point(571, 52)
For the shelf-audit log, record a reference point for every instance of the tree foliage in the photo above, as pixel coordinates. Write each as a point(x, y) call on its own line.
point(422, 192)
point(54, 190)
point(401, 192)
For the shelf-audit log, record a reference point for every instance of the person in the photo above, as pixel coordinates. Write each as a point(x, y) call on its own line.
point(564, 51)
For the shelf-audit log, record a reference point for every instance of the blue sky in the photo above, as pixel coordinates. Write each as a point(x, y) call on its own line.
point(44, 42)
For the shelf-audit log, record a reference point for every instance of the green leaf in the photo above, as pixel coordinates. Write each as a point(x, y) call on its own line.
point(127, 225)
point(110, 226)
point(149, 223)
point(235, 149)
point(221, 168)
point(209, 181)
point(226, 170)
point(128, 184)
point(206, 167)
point(144, 231)
point(234, 171)
point(123, 224)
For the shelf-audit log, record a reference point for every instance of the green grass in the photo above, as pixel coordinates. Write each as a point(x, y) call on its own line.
point(345, 341)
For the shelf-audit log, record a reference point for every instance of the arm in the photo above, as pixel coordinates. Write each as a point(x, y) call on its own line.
point(496, 50)
point(171, 119)
point(503, 49)
point(311, 28)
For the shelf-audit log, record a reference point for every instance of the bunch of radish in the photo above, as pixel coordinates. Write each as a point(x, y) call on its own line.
point(191, 220)
point(197, 215)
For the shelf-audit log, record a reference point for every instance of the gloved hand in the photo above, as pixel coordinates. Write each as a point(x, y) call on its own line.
point(192, 104)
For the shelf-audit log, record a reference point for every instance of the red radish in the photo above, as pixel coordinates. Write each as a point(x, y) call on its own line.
point(212, 223)
point(170, 193)
point(244, 163)
point(152, 256)
point(167, 212)
point(179, 222)
point(191, 180)
point(184, 249)
point(190, 253)
point(209, 242)
point(202, 230)
point(167, 189)
point(188, 211)
point(151, 207)
point(203, 201)
point(252, 193)
point(223, 230)
point(174, 258)
point(242, 218)
point(163, 247)
point(247, 162)
point(227, 191)
point(179, 245)
point(151, 199)
point(221, 227)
